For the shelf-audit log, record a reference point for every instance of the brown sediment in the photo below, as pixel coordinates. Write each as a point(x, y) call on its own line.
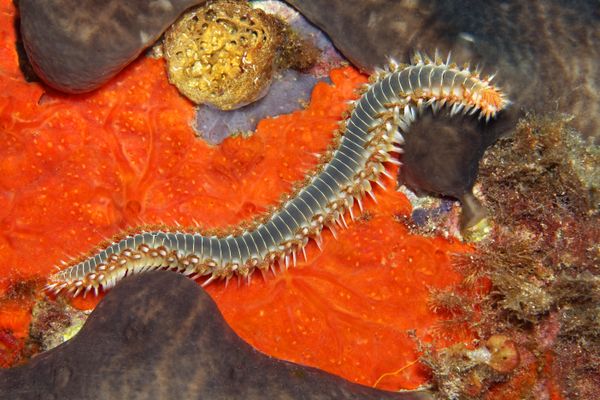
point(17, 298)
point(296, 52)
point(463, 372)
point(53, 321)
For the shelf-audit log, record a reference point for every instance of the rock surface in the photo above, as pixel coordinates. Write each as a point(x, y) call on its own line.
point(158, 335)
point(545, 51)
point(77, 46)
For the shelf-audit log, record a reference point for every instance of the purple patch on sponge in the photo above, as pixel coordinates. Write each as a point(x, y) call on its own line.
point(287, 93)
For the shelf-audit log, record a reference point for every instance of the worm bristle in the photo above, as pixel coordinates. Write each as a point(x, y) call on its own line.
point(367, 141)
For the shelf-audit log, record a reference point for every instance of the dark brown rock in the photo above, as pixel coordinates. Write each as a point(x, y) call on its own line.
point(441, 156)
point(545, 51)
point(76, 46)
point(158, 335)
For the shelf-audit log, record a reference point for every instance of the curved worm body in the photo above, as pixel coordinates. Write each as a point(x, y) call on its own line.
point(367, 141)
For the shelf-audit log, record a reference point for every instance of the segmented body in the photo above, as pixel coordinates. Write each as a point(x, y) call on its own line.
point(368, 139)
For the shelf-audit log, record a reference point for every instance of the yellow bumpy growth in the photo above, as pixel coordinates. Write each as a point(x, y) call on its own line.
point(222, 53)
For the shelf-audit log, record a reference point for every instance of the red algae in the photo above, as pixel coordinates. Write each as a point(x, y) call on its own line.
point(75, 170)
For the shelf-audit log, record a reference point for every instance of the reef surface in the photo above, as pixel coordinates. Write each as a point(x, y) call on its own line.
point(77, 169)
point(544, 50)
point(126, 155)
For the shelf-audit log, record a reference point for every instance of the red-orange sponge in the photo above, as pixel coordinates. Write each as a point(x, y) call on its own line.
point(77, 169)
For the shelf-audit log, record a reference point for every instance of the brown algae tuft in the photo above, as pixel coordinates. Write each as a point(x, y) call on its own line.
point(540, 265)
point(461, 372)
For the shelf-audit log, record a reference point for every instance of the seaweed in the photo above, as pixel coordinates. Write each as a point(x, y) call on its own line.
point(539, 268)
point(464, 373)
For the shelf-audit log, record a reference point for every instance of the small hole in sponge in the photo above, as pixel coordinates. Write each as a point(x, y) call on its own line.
point(133, 208)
